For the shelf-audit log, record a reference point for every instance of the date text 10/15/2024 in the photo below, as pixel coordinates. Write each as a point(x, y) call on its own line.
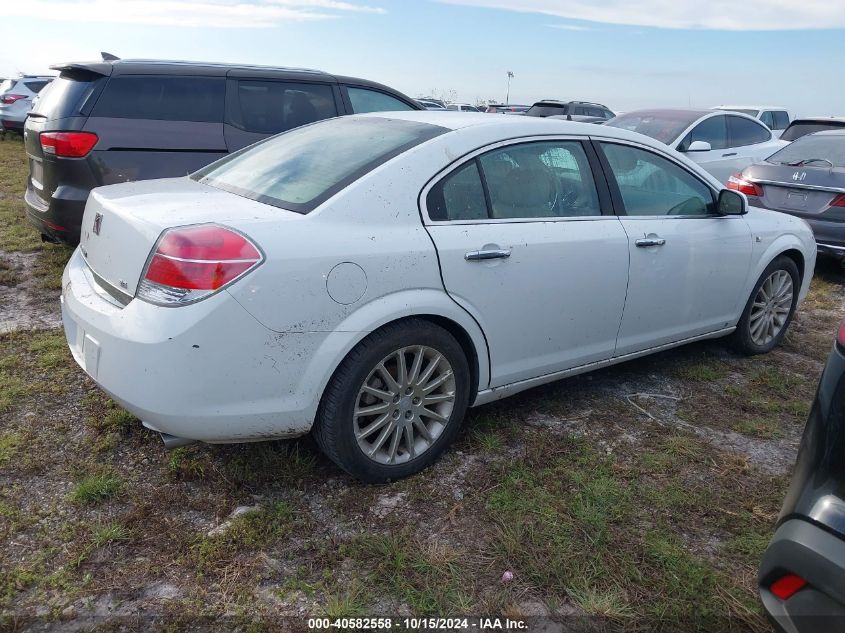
point(418, 624)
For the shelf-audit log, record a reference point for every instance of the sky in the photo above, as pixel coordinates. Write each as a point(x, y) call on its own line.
point(626, 54)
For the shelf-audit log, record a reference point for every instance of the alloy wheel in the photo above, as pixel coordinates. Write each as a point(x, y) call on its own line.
point(771, 307)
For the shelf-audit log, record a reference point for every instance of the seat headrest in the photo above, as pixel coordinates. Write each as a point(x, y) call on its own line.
point(525, 187)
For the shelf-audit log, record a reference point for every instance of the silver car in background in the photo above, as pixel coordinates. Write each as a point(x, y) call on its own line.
point(16, 97)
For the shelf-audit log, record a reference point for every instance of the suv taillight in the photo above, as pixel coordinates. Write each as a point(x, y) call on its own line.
point(738, 183)
point(68, 144)
point(10, 99)
point(190, 263)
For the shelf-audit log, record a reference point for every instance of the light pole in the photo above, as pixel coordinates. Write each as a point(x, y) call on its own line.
point(508, 97)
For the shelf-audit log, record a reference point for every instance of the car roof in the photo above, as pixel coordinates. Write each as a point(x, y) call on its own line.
point(749, 107)
point(454, 121)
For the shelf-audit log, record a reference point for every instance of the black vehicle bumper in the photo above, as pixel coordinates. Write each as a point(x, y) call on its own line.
point(61, 218)
point(817, 556)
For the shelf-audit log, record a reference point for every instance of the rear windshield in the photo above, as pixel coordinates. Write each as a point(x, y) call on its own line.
point(814, 150)
point(663, 125)
point(545, 109)
point(302, 168)
point(798, 129)
point(68, 94)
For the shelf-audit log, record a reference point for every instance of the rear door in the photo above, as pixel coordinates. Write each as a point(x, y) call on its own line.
point(720, 159)
point(688, 265)
point(750, 140)
point(258, 107)
point(528, 245)
point(157, 125)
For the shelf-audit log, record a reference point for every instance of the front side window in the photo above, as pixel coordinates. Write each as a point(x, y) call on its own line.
point(163, 98)
point(713, 130)
point(781, 120)
point(302, 168)
point(746, 132)
point(653, 185)
point(364, 100)
point(270, 107)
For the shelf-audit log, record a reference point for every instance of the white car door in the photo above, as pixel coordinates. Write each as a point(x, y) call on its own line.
point(719, 159)
point(751, 140)
point(525, 249)
point(688, 265)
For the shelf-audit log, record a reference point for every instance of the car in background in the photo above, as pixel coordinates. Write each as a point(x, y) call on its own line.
point(582, 111)
point(120, 120)
point(506, 108)
point(721, 142)
point(462, 107)
point(369, 277)
point(805, 179)
point(802, 574)
point(773, 117)
point(16, 97)
point(431, 105)
point(809, 125)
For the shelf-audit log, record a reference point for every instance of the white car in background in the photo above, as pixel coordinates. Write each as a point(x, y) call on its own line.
point(462, 107)
point(16, 96)
point(775, 118)
point(723, 143)
point(427, 263)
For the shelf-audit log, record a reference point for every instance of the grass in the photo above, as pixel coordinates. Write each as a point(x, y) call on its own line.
point(96, 488)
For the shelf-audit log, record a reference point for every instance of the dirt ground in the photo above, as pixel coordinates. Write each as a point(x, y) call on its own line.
point(638, 497)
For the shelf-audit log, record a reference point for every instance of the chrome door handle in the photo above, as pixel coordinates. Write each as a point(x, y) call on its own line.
point(645, 242)
point(497, 253)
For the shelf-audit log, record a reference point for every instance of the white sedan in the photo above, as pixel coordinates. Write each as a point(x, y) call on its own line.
point(724, 143)
point(368, 278)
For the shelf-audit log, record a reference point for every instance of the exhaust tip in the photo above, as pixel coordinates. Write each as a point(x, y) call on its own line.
point(171, 441)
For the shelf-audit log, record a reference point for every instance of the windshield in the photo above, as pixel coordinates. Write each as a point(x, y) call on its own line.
point(823, 150)
point(300, 169)
point(798, 129)
point(664, 125)
point(545, 109)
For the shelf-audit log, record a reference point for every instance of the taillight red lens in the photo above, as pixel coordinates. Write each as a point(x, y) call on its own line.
point(9, 99)
point(190, 263)
point(68, 144)
point(787, 586)
point(840, 335)
point(838, 201)
point(738, 183)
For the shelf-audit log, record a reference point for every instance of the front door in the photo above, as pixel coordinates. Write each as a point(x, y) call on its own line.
point(688, 264)
point(525, 249)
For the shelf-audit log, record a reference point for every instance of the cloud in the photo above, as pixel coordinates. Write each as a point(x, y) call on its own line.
point(570, 27)
point(187, 13)
point(728, 15)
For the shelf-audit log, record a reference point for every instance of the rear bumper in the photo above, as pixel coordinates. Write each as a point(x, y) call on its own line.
point(207, 371)
point(61, 217)
point(817, 556)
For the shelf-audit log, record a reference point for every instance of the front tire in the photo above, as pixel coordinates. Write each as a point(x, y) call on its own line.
point(395, 402)
point(770, 308)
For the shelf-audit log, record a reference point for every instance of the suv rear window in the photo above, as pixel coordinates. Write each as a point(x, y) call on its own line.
point(163, 98)
point(295, 171)
point(546, 109)
point(68, 94)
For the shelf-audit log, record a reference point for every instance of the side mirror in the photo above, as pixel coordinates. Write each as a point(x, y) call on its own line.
point(731, 203)
point(699, 146)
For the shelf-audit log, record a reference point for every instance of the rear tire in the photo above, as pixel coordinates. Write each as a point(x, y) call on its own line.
point(395, 402)
point(769, 309)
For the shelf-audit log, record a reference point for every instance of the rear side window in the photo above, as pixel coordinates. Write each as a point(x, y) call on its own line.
point(460, 196)
point(302, 168)
point(163, 98)
point(781, 120)
point(746, 132)
point(69, 94)
point(270, 107)
point(364, 100)
point(546, 109)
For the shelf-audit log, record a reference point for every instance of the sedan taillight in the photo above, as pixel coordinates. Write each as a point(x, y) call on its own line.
point(68, 144)
point(10, 99)
point(193, 262)
point(838, 201)
point(737, 182)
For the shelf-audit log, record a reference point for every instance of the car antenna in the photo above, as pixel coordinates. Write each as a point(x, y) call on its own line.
point(108, 57)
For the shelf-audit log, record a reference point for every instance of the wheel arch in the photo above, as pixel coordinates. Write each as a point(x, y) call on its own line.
point(788, 245)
